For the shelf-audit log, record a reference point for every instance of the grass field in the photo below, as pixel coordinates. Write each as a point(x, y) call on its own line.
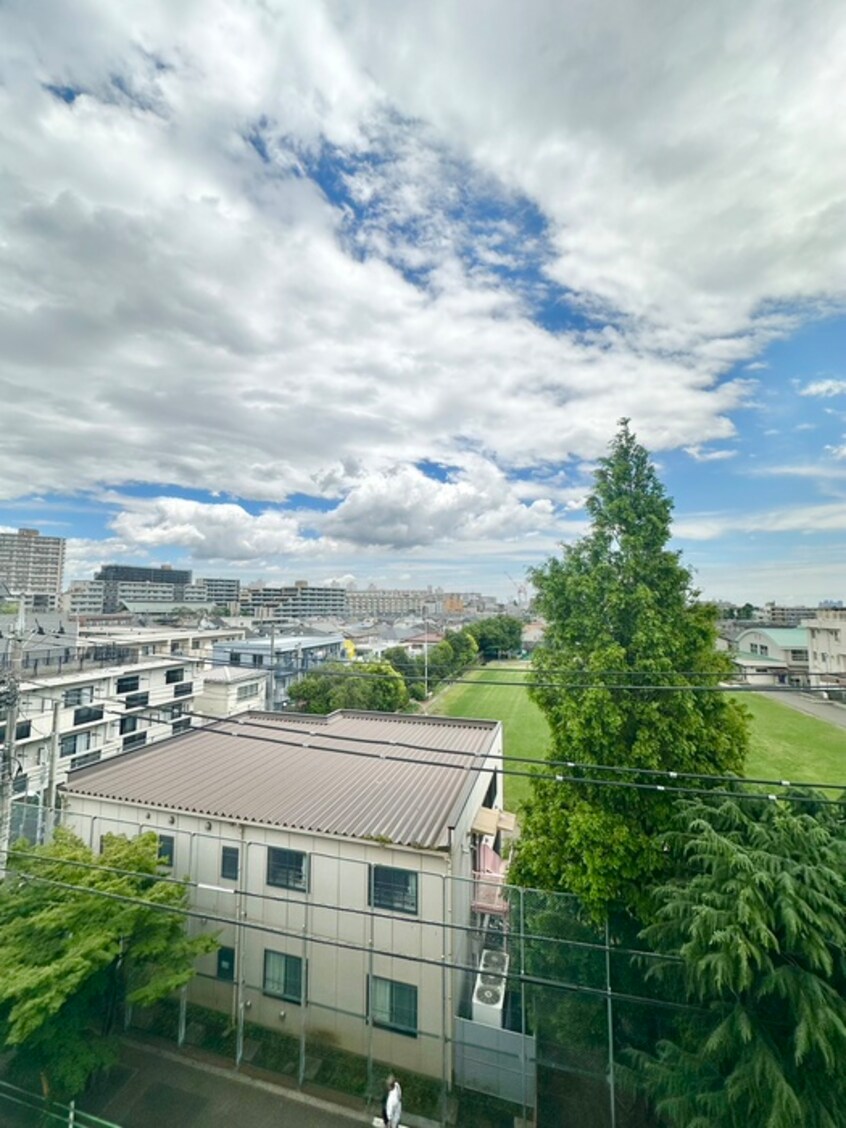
point(784, 744)
point(790, 745)
point(525, 729)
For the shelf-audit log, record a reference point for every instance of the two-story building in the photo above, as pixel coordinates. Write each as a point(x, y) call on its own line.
point(344, 852)
point(772, 656)
point(286, 658)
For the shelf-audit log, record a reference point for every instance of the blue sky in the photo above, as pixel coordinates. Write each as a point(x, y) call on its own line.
point(359, 291)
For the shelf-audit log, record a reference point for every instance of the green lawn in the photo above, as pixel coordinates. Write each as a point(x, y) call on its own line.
point(784, 744)
point(525, 731)
point(789, 745)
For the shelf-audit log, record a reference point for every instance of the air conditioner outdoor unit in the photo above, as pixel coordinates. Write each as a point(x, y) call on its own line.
point(489, 989)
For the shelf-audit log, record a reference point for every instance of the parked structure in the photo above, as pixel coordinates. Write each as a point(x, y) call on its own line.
point(355, 856)
point(772, 655)
point(32, 565)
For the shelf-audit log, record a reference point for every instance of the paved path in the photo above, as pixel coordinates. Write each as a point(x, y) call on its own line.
point(151, 1089)
point(813, 706)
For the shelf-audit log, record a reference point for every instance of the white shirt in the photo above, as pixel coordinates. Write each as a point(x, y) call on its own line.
point(393, 1105)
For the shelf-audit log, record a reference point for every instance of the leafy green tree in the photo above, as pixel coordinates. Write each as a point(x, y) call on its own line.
point(363, 685)
point(441, 662)
point(498, 637)
point(620, 677)
point(410, 669)
point(756, 914)
point(71, 958)
point(465, 649)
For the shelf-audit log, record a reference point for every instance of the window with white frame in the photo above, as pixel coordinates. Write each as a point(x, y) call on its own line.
point(393, 1005)
point(247, 691)
point(284, 976)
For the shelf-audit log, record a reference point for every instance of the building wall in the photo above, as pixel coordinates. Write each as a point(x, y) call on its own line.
point(228, 699)
point(340, 948)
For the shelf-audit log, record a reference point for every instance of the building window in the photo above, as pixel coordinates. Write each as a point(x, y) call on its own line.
point(753, 648)
point(184, 689)
point(393, 1005)
point(234, 658)
point(245, 691)
point(229, 862)
point(226, 964)
point(287, 869)
point(82, 695)
point(764, 650)
point(166, 849)
point(88, 758)
point(87, 713)
point(134, 740)
point(71, 745)
point(175, 675)
point(136, 700)
point(128, 724)
point(283, 977)
point(181, 726)
point(394, 889)
point(23, 729)
point(258, 659)
point(128, 684)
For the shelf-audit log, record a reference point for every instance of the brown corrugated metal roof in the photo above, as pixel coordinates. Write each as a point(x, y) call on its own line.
point(309, 773)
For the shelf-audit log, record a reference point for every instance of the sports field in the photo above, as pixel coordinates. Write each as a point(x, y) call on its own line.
point(499, 694)
point(789, 745)
point(784, 744)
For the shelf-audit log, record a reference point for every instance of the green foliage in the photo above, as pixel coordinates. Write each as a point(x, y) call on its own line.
point(621, 613)
point(498, 637)
point(71, 958)
point(364, 685)
point(756, 916)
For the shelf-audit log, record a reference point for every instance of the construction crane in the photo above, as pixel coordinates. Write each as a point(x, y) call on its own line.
point(522, 592)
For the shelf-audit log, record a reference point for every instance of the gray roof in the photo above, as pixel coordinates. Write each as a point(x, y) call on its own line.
point(234, 673)
point(290, 770)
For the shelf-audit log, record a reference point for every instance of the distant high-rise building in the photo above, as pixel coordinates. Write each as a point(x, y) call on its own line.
point(34, 565)
point(113, 575)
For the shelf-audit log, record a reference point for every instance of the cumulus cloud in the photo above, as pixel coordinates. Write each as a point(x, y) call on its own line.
point(824, 388)
point(211, 531)
point(264, 250)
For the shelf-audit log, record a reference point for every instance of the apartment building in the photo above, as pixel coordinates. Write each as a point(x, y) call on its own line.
point(34, 565)
point(355, 855)
point(301, 601)
point(221, 592)
point(82, 717)
point(286, 659)
point(113, 575)
point(827, 649)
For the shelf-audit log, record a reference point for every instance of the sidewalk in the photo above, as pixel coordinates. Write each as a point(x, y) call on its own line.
point(163, 1089)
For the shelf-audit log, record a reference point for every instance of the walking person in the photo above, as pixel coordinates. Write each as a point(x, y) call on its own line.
point(393, 1103)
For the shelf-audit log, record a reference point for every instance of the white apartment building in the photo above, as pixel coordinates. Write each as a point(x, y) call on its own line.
point(346, 851)
point(286, 657)
point(301, 601)
point(827, 648)
point(79, 718)
point(136, 643)
point(34, 565)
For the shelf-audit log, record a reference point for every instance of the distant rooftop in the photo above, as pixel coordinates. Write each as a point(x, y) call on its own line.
point(308, 773)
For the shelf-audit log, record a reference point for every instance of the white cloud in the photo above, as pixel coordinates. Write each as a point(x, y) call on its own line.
point(181, 304)
point(824, 388)
point(700, 455)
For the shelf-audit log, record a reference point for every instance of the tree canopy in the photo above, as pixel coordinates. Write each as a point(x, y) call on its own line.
point(364, 685)
point(625, 677)
point(71, 958)
point(755, 914)
point(499, 636)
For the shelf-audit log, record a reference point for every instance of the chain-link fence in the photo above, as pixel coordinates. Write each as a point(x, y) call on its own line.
point(491, 1009)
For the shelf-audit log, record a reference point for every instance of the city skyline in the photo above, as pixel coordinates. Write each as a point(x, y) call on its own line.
point(327, 291)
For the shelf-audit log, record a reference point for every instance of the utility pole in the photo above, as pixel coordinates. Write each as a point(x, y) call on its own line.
point(9, 698)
